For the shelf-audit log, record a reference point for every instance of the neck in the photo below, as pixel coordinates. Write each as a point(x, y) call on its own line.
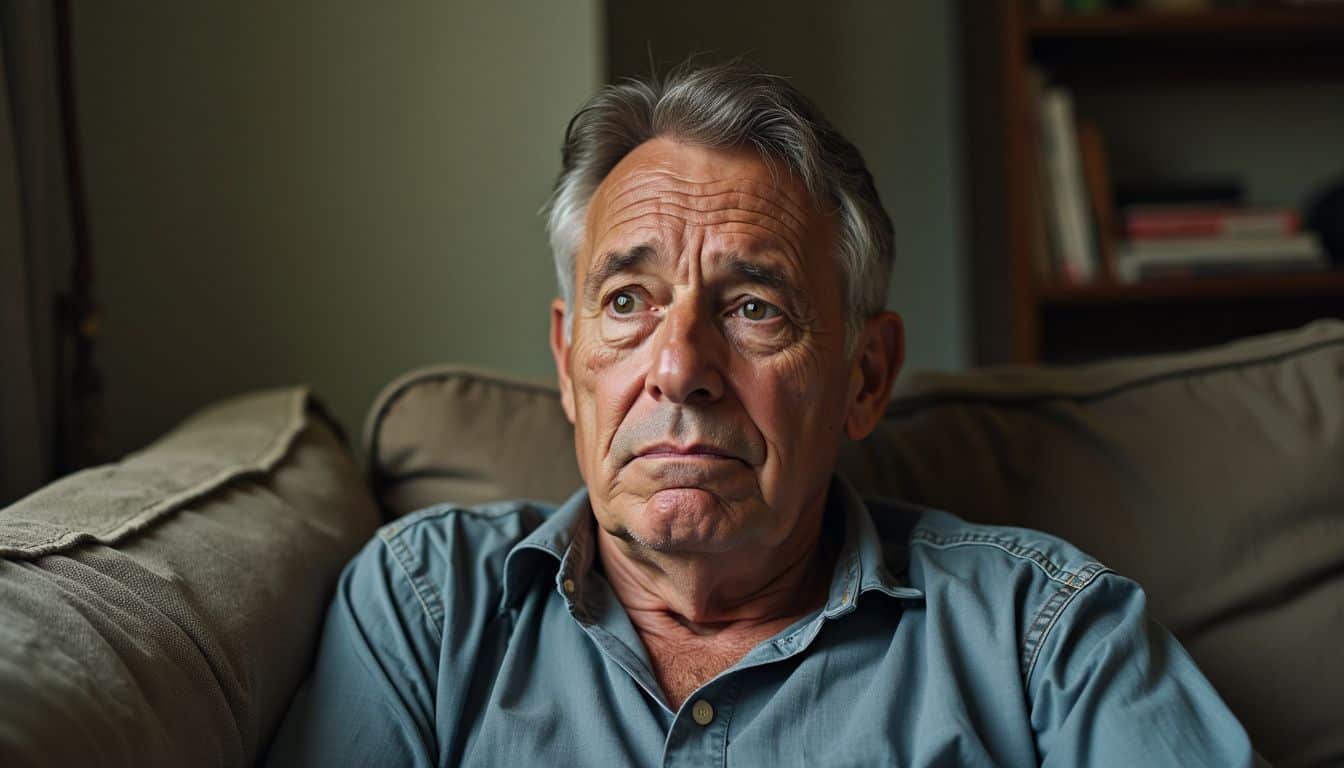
point(710, 594)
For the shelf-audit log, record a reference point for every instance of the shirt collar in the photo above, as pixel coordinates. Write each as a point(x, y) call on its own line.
point(567, 537)
point(863, 563)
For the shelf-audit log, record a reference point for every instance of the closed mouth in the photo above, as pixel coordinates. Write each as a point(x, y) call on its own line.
point(704, 452)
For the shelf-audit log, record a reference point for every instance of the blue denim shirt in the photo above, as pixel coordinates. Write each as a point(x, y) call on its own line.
point(485, 637)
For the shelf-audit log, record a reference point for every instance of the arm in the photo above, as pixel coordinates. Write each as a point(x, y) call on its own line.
point(1111, 686)
point(370, 697)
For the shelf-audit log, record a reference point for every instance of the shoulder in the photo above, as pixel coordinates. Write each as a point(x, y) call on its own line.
point(444, 556)
point(940, 536)
point(1013, 607)
point(457, 534)
point(1018, 584)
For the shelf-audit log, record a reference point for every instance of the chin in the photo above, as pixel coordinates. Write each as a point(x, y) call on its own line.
point(682, 520)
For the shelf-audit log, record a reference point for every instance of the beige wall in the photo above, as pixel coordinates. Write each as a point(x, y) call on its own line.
point(330, 193)
point(887, 74)
point(334, 193)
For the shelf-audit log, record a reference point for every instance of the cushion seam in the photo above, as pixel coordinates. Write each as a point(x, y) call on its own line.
point(901, 407)
point(116, 531)
point(385, 402)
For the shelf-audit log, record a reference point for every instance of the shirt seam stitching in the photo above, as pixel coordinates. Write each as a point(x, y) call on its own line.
point(428, 514)
point(1050, 612)
point(1010, 545)
point(491, 511)
point(418, 586)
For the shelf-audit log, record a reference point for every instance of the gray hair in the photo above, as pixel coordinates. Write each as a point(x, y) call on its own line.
point(719, 107)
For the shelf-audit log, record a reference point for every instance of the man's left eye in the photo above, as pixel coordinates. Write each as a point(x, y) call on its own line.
point(757, 310)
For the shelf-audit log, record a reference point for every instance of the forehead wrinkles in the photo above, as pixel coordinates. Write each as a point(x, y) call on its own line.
point(725, 223)
point(741, 201)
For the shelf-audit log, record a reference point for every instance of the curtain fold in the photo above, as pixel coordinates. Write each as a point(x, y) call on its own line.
point(37, 248)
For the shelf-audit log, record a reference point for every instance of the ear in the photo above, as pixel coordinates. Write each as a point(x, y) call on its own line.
point(877, 362)
point(560, 351)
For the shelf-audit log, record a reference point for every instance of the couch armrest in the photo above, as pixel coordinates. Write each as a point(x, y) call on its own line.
point(163, 609)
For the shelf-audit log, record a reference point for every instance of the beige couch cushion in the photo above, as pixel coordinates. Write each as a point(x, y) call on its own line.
point(1215, 478)
point(162, 610)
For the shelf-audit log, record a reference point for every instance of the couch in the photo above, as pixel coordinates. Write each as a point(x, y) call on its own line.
point(163, 609)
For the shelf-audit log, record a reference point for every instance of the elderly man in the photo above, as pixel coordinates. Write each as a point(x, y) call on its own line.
point(715, 595)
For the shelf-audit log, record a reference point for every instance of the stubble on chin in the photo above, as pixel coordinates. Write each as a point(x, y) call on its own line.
point(677, 520)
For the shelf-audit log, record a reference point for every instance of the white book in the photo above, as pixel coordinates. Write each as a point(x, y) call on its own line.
point(1210, 254)
point(1071, 223)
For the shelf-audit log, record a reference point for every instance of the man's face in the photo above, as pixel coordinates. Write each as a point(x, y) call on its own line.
point(706, 377)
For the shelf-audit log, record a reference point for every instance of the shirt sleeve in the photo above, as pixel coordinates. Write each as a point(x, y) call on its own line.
point(1112, 687)
point(370, 697)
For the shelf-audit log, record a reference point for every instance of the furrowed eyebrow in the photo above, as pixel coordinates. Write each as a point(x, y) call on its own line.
point(614, 263)
point(770, 277)
point(760, 274)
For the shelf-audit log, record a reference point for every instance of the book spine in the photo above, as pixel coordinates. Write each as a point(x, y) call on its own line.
point(1140, 225)
point(1097, 174)
point(1266, 249)
point(1044, 245)
point(1073, 230)
point(1140, 272)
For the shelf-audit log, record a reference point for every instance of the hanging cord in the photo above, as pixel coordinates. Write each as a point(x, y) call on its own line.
point(79, 439)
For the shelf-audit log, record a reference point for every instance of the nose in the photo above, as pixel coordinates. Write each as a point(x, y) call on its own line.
point(687, 354)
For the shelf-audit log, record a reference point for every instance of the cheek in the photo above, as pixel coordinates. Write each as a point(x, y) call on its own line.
point(789, 380)
point(595, 361)
point(606, 382)
point(795, 401)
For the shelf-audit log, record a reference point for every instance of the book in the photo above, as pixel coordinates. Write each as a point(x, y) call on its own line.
point(1146, 259)
point(1157, 222)
point(1043, 255)
point(1071, 226)
point(1222, 270)
point(1097, 175)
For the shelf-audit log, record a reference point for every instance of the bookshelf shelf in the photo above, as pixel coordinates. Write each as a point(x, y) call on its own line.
point(1263, 43)
point(1264, 23)
point(1183, 68)
point(1192, 289)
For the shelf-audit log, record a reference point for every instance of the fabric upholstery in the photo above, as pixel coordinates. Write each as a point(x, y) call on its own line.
point(162, 610)
point(1215, 479)
point(459, 434)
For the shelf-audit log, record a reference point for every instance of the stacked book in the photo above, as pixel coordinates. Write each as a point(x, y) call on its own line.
point(1192, 240)
point(1083, 236)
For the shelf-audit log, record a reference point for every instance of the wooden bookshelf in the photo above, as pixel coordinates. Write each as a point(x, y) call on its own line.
point(1023, 317)
point(1207, 289)
point(1254, 22)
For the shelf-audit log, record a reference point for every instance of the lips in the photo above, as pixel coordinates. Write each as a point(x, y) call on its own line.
point(673, 451)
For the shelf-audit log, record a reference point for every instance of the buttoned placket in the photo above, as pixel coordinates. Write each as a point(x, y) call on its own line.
point(699, 734)
point(691, 744)
point(689, 741)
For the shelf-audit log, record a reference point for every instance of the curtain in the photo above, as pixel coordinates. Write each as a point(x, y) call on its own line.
point(38, 254)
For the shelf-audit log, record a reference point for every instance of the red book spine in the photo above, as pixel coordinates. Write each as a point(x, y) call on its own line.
point(1156, 224)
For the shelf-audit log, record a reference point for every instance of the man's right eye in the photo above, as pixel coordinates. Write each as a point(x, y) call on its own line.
point(624, 303)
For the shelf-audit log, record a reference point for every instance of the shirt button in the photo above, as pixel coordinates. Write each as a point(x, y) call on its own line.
point(702, 713)
point(569, 586)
